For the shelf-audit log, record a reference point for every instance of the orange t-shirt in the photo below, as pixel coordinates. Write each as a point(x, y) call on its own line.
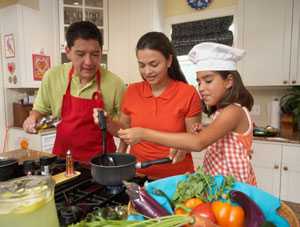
point(166, 112)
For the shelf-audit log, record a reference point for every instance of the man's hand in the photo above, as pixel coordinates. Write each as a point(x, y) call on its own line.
point(96, 114)
point(177, 155)
point(131, 135)
point(29, 124)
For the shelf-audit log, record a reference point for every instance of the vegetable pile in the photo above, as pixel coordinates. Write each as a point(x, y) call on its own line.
point(198, 201)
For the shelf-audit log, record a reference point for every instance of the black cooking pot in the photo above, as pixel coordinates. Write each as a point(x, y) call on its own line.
point(123, 169)
point(8, 169)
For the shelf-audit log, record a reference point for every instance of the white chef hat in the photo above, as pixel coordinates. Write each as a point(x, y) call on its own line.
point(208, 56)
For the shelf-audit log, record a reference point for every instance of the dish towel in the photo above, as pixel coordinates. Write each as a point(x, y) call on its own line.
point(267, 202)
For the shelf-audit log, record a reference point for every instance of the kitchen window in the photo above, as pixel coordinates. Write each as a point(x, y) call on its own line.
point(185, 31)
point(185, 35)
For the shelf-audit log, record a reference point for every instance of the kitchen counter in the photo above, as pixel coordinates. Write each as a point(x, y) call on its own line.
point(295, 138)
point(23, 155)
point(45, 131)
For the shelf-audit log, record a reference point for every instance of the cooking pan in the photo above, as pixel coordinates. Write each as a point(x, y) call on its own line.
point(110, 169)
point(124, 168)
point(8, 168)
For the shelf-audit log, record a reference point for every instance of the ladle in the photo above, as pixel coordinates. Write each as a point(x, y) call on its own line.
point(107, 160)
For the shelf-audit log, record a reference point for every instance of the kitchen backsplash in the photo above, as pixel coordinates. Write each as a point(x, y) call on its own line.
point(263, 98)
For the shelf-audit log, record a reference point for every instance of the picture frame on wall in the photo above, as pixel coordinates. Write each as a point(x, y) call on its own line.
point(9, 46)
point(40, 63)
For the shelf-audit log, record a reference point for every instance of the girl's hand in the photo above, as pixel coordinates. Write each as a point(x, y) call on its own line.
point(177, 155)
point(131, 135)
point(196, 128)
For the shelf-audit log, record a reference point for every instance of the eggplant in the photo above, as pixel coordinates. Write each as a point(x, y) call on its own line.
point(143, 203)
point(254, 215)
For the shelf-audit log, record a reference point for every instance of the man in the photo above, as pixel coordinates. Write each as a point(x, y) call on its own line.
point(71, 91)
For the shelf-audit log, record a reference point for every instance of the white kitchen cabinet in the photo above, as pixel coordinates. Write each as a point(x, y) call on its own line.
point(290, 173)
point(265, 31)
point(95, 11)
point(128, 21)
point(266, 162)
point(26, 31)
point(43, 141)
point(276, 166)
point(295, 54)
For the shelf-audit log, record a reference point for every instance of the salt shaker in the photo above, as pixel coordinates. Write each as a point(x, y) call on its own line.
point(69, 164)
point(44, 162)
point(28, 167)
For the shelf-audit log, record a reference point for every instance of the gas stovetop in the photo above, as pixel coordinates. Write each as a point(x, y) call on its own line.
point(80, 196)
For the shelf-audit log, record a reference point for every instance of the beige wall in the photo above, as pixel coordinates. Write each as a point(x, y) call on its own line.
point(180, 7)
point(30, 3)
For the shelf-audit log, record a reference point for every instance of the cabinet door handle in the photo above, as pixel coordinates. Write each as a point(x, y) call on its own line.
point(293, 81)
point(276, 166)
point(285, 82)
point(285, 168)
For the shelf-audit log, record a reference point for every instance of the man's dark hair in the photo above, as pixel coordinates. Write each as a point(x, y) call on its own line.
point(83, 30)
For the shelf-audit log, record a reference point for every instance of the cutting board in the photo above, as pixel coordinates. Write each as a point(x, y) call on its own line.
point(22, 155)
point(61, 177)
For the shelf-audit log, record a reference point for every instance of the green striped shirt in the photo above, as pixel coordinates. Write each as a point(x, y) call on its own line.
point(54, 85)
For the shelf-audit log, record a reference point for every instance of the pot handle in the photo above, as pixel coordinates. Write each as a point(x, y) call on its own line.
point(141, 165)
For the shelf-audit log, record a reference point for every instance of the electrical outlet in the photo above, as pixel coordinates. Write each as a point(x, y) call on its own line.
point(255, 110)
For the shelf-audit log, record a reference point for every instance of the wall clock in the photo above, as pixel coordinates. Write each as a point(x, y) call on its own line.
point(198, 4)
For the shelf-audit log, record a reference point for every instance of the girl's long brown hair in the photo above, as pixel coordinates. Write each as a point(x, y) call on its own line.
point(238, 93)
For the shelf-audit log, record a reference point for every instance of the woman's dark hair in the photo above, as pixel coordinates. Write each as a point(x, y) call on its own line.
point(83, 30)
point(160, 42)
point(238, 93)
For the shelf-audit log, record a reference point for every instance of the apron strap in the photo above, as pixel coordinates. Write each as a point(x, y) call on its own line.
point(70, 74)
point(96, 95)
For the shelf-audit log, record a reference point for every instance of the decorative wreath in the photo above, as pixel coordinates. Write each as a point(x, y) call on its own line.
point(198, 4)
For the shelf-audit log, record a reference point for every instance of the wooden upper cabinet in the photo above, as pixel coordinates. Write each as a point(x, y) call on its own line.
point(266, 28)
point(26, 32)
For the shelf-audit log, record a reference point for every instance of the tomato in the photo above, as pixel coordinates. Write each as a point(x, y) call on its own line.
point(180, 211)
point(193, 202)
point(228, 215)
point(203, 210)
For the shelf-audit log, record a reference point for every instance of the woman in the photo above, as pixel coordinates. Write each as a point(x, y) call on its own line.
point(162, 101)
point(228, 138)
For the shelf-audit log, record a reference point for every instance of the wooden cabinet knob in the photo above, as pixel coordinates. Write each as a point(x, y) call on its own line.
point(294, 81)
point(285, 82)
point(285, 168)
point(276, 166)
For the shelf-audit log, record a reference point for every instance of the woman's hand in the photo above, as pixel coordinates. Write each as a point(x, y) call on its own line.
point(177, 155)
point(131, 135)
point(196, 128)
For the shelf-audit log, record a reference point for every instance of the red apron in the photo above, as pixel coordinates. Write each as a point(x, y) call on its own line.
point(77, 131)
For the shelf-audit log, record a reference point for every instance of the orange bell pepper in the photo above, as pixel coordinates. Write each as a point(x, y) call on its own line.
point(228, 215)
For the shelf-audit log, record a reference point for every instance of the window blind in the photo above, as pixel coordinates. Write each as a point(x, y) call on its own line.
point(185, 35)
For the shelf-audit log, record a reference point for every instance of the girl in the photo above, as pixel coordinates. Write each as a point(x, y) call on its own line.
point(162, 101)
point(228, 138)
